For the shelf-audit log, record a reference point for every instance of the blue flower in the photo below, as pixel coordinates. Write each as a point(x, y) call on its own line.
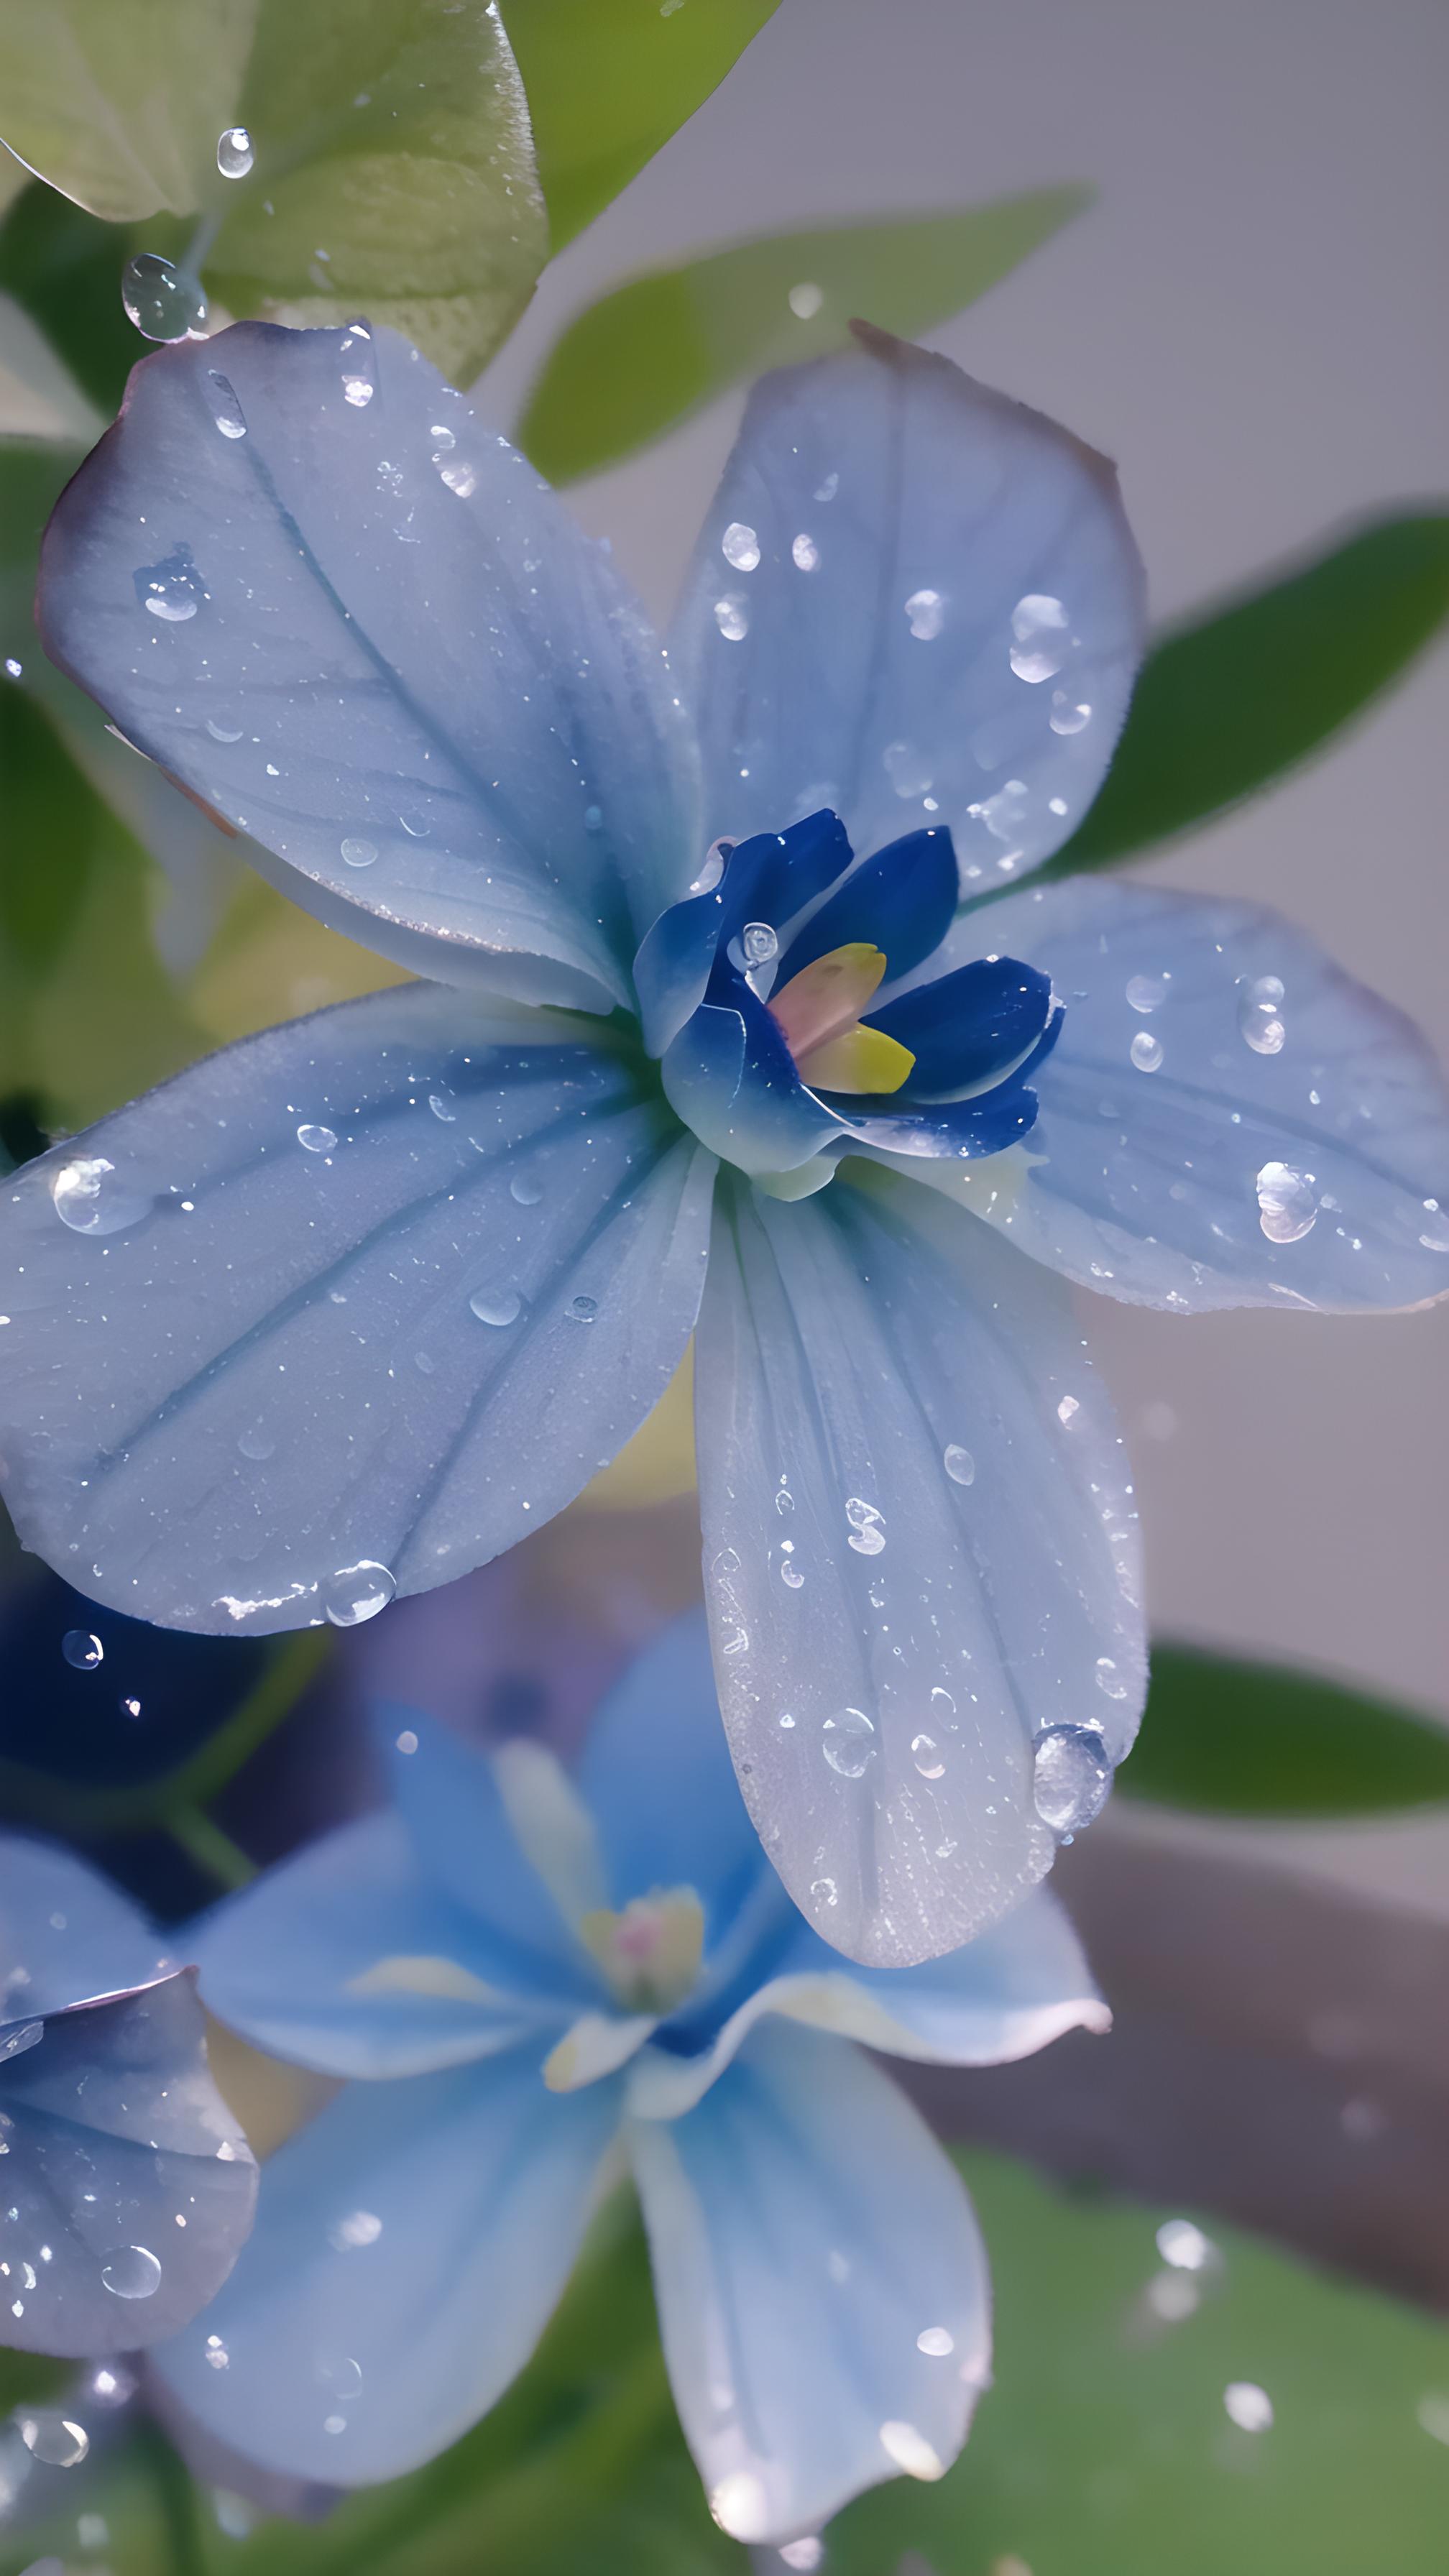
point(126, 2186)
point(528, 1979)
point(351, 1307)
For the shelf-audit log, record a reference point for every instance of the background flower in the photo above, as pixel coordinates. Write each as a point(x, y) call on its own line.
point(516, 1972)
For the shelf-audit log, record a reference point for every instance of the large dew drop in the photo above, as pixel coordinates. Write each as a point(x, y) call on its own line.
point(1287, 1202)
point(849, 1742)
point(54, 2438)
point(1258, 1014)
point(160, 299)
point(81, 1650)
point(234, 154)
point(358, 1592)
point(91, 1198)
point(132, 2272)
point(1071, 1775)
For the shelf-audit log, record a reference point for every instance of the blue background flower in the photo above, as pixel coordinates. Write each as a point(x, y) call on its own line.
point(519, 1974)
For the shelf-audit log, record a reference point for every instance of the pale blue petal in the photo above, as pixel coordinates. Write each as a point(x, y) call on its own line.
point(656, 1773)
point(822, 2284)
point(915, 672)
point(128, 2186)
point(409, 2247)
point(301, 576)
point(449, 1795)
point(1001, 1997)
point(326, 1961)
point(66, 1934)
point(267, 1368)
point(1202, 1171)
point(920, 1550)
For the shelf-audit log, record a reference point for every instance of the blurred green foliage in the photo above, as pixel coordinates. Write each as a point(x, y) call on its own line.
point(1239, 694)
point(639, 361)
point(1233, 1738)
point(1104, 2448)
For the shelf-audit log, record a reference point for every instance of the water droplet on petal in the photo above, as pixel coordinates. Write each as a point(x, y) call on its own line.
point(359, 854)
point(1147, 992)
point(1065, 717)
point(91, 1198)
point(1109, 1680)
point(160, 299)
point(849, 1742)
point(226, 411)
point(358, 1592)
point(217, 2356)
point(732, 617)
point(171, 590)
point(1258, 1014)
point(740, 546)
point(1146, 1051)
point(791, 1577)
point(1039, 632)
point(806, 299)
point(937, 2343)
point(221, 731)
point(759, 943)
point(908, 770)
point(54, 2438)
point(443, 1104)
point(805, 553)
point(315, 1140)
point(926, 1756)
point(132, 2272)
point(459, 476)
point(496, 1305)
point(17, 2042)
point(234, 154)
point(524, 1191)
point(582, 1310)
point(825, 1889)
point(1071, 1776)
point(1287, 1202)
point(358, 390)
point(1068, 1409)
point(256, 1443)
point(959, 1464)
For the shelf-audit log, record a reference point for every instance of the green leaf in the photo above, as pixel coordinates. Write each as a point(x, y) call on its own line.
point(118, 103)
point(63, 268)
point(88, 1014)
point(1105, 2449)
point(1231, 1738)
point(394, 176)
point(629, 367)
point(609, 81)
point(1238, 695)
point(393, 169)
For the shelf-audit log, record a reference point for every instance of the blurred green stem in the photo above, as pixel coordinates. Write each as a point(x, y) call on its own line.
point(211, 1849)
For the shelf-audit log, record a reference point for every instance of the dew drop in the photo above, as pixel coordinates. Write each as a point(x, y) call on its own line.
point(1146, 1051)
point(1258, 1014)
point(582, 1310)
point(234, 154)
point(440, 431)
point(1071, 1776)
point(315, 1140)
point(1068, 1409)
point(926, 611)
point(217, 2356)
point(160, 299)
point(1147, 992)
point(523, 1191)
point(459, 476)
point(443, 1104)
point(15, 2043)
point(256, 1443)
point(358, 390)
point(806, 299)
point(1039, 637)
point(805, 553)
point(849, 1742)
point(496, 1305)
point(926, 1757)
point(359, 854)
point(221, 732)
point(1248, 2406)
point(936, 2343)
point(1066, 718)
point(959, 1464)
point(54, 2438)
point(82, 1650)
point(226, 411)
point(1287, 1202)
point(791, 1577)
point(90, 1198)
point(1109, 1680)
point(732, 617)
point(759, 943)
point(908, 770)
point(358, 1592)
point(824, 1890)
point(740, 546)
point(132, 2272)
point(171, 590)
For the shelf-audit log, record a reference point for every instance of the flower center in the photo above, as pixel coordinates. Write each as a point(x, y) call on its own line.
point(650, 1952)
point(819, 1011)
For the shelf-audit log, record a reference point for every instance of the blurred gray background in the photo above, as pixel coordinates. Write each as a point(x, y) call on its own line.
point(1251, 320)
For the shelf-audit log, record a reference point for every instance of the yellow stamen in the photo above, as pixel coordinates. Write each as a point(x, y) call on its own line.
point(650, 1953)
point(443, 1980)
point(861, 1059)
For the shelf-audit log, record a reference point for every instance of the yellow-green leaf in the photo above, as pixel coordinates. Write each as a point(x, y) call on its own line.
point(118, 103)
point(609, 81)
point(631, 366)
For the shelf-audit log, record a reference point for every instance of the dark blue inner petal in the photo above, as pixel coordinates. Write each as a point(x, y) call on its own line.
point(969, 1027)
point(731, 1077)
point(904, 899)
point(985, 1125)
point(770, 876)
